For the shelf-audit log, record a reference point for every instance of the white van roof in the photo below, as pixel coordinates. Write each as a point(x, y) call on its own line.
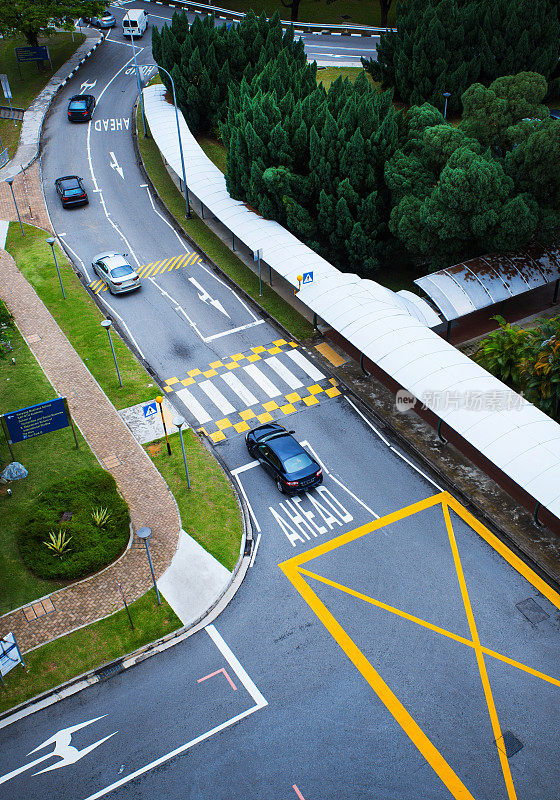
point(133, 14)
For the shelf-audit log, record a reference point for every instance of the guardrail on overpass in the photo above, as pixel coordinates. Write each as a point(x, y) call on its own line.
point(299, 27)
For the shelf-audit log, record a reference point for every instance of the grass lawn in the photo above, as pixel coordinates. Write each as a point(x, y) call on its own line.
point(25, 89)
point(23, 384)
point(357, 12)
point(327, 75)
point(88, 648)
point(213, 245)
point(79, 317)
point(210, 505)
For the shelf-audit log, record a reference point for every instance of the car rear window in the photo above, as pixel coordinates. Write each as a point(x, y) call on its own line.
point(120, 272)
point(295, 463)
point(78, 105)
point(73, 191)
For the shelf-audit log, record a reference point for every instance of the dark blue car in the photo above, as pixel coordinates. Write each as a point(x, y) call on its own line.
point(284, 458)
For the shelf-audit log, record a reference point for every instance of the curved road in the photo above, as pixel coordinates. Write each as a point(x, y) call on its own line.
point(383, 645)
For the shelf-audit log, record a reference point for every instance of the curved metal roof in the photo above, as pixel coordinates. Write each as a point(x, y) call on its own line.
point(484, 281)
point(519, 439)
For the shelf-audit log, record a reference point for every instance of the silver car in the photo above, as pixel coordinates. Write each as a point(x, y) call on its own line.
point(106, 20)
point(114, 269)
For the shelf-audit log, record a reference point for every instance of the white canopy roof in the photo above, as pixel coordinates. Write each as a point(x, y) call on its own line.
point(391, 329)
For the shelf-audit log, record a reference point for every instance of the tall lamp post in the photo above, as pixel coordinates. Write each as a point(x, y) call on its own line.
point(447, 95)
point(144, 534)
point(179, 421)
point(137, 76)
point(9, 181)
point(178, 135)
point(106, 323)
point(51, 241)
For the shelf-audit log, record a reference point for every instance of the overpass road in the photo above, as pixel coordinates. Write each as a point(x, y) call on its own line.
point(384, 644)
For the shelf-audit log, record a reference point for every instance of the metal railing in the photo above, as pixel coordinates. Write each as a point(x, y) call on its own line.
point(347, 29)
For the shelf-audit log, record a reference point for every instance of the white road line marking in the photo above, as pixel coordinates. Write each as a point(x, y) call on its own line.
point(390, 446)
point(367, 421)
point(249, 506)
point(233, 330)
point(123, 323)
point(249, 685)
point(283, 371)
point(304, 364)
point(239, 388)
point(238, 470)
point(261, 380)
point(255, 548)
point(194, 406)
point(247, 682)
point(214, 394)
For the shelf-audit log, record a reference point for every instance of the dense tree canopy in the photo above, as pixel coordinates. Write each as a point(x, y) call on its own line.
point(446, 45)
point(31, 18)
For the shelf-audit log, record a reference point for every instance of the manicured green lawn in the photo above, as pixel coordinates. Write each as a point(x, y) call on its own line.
point(79, 317)
point(213, 245)
point(327, 75)
point(47, 458)
point(33, 80)
point(357, 12)
point(88, 648)
point(209, 507)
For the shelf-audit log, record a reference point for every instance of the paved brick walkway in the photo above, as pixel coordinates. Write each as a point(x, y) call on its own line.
point(150, 501)
point(29, 197)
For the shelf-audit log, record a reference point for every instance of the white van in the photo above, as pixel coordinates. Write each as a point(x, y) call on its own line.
point(135, 22)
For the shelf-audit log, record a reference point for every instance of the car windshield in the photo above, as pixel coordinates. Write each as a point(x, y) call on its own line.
point(78, 105)
point(120, 272)
point(295, 463)
point(72, 191)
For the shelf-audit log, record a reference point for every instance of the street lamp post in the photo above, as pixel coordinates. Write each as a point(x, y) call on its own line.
point(51, 241)
point(178, 136)
point(137, 76)
point(9, 181)
point(179, 421)
point(106, 323)
point(144, 534)
point(447, 95)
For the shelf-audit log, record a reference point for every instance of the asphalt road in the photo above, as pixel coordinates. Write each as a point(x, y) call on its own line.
point(383, 645)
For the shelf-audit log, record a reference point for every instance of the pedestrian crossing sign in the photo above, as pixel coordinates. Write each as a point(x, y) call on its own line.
point(150, 409)
point(307, 278)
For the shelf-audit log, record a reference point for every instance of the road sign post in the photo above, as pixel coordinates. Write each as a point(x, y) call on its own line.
point(159, 401)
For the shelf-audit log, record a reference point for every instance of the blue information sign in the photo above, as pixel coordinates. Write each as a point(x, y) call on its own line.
point(307, 277)
point(36, 420)
point(32, 53)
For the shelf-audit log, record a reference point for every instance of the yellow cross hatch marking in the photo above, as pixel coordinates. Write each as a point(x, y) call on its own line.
point(297, 575)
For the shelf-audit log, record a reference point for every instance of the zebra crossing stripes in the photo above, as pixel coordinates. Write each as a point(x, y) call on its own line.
point(153, 268)
point(229, 396)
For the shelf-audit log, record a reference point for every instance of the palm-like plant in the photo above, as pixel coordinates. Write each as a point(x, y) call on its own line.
point(100, 516)
point(58, 542)
point(503, 351)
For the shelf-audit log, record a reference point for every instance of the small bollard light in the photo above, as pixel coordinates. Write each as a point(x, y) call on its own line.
point(144, 534)
point(106, 323)
point(51, 241)
point(179, 421)
point(447, 95)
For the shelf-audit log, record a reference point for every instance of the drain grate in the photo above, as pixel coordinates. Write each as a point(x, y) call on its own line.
point(509, 744)
point(532, 611)
point(110, 671)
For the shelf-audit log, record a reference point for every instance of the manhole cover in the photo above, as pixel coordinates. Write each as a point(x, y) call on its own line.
point(532, 611)
point(509, 743)
point(66, 516)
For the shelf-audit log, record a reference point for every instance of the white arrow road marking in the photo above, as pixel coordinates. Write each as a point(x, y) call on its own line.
point(205, 297)
point(85, 85)
point(114, 165)
point(68, 753)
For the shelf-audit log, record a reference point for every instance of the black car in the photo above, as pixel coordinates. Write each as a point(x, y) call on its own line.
point(80, 107)
point(71, 191)
point(284, 458)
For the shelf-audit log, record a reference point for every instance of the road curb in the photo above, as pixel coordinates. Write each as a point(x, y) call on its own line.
point(29, 151)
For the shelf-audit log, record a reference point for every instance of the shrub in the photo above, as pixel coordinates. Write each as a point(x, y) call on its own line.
point(92, 547)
